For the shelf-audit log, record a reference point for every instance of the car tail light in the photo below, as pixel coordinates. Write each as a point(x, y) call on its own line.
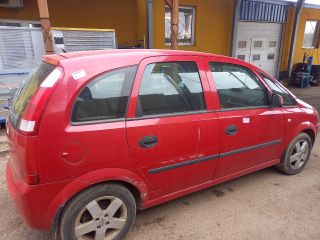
point(31, 117)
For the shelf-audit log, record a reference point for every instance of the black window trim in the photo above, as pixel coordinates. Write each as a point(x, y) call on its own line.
point(263, 75)
point(165, 115)
point(243, 108)
point(92, 122)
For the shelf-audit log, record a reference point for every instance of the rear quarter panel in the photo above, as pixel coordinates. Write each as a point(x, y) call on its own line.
point(55, 131)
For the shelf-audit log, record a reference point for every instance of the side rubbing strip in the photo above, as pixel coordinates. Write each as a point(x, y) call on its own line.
point(250, 148)
point(209, 158)
point(183, 164)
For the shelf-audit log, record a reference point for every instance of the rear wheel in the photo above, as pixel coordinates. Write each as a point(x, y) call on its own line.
point(103, 212)
point(297, 155)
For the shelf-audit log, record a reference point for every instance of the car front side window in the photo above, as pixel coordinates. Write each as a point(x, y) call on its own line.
point(238, 87)
point(277, 88)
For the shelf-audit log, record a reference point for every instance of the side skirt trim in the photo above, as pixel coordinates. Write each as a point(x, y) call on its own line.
point(212, 157)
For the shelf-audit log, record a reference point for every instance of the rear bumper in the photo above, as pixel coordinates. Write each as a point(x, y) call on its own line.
point(31, 201)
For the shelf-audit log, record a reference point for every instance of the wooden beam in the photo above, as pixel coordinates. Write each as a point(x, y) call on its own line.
point(169, 2)
point(45, 23)
point(174, 24)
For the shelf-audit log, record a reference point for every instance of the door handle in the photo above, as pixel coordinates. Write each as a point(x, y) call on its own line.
point(148, 142)
point(232, 130)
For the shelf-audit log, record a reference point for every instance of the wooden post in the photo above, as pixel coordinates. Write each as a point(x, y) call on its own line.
point(174, 24)
point(174, 7)
point(45, 23)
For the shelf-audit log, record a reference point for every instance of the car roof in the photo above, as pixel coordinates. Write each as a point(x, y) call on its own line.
point(137, 54)
point(133, 56)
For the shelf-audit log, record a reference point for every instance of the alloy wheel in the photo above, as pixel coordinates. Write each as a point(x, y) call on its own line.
point(101, 219)
point(299, 154)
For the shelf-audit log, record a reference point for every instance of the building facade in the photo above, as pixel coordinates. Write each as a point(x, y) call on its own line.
point(257, 31)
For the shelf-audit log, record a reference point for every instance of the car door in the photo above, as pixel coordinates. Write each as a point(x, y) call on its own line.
point(172, 135)
point(251, 130)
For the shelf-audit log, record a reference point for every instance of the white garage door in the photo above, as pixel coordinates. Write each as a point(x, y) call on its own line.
point(259, 44)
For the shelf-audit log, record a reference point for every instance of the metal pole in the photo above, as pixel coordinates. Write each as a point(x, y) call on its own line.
point(150, 23)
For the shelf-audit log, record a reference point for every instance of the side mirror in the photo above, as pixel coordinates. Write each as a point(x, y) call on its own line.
point(276, 100)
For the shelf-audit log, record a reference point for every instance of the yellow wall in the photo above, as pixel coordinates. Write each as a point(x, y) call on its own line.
point(213, 25)
point(287, 36)
point(121, 15)
point(306, 14)
point(142, 20)
point(28, 12)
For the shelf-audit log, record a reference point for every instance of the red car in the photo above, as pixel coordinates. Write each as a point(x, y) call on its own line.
point(94, 136)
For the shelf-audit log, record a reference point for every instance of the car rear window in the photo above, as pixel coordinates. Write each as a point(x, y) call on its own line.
point(105, 97)
point(27, 90)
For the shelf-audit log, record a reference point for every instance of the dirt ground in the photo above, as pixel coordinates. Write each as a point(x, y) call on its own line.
point(262, 205)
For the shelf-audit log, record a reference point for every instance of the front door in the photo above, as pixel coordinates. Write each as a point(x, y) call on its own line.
point(171, 135)
point(251, 131)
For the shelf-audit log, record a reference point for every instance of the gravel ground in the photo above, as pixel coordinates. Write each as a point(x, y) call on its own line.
point(262, 205)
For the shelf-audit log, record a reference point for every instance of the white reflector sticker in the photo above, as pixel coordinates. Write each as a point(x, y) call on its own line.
point(51, 79)
point(26, 126)
point(78, 74)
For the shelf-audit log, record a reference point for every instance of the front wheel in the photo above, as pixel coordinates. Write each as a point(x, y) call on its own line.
point(102, 212)
point(297, 155)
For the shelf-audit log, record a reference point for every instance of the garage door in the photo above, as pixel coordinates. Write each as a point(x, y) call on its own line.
point(259, 44)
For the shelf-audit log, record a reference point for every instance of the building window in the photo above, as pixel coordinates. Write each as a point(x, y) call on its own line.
point(310, 34)
point(186, 26)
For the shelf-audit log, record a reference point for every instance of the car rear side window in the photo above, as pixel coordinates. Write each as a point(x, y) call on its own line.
point(277, 88)
point(170, 87)
point(238, 87)
point(27, 90)
point(105, 97)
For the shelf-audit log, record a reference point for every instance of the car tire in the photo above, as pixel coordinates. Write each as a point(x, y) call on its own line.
point(105, 210)
point(296, 155)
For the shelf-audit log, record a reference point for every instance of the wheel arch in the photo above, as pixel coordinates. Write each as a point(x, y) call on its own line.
point(311, 134)
point(123, 177)
point(304, 127)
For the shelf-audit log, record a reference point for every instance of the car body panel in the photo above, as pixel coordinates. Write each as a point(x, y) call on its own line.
point(193, 151)
point(181, 152)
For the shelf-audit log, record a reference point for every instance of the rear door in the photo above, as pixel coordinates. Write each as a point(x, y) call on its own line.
point(172, 135)
point(251, 131)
